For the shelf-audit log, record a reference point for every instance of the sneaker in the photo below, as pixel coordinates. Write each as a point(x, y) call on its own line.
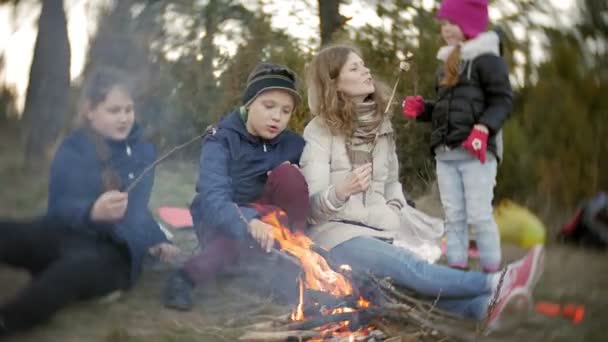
point(512, 305)
point(514, 294)
point(178, 292)
point(527, 271)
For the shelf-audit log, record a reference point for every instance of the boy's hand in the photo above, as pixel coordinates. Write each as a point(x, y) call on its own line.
point(263, 233)
point(413, 106)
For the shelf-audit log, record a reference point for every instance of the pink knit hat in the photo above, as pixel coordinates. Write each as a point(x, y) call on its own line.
point(470, 15)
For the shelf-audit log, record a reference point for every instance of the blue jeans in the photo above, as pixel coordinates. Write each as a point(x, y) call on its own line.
point(463, 293)
point(466, 188)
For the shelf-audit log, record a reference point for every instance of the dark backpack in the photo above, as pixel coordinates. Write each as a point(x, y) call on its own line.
point(589, 226)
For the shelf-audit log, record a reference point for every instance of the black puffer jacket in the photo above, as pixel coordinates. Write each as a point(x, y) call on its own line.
point(482, 95)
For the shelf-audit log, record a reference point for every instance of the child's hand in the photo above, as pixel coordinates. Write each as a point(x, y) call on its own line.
point(263, 233)
point(110, 206)
point(477, 142)
point(165, 251)
point(413, 106)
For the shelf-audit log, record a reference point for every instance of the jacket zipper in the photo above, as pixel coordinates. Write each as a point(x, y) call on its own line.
point(447, 121)
point(129, 152)
point(265, 150)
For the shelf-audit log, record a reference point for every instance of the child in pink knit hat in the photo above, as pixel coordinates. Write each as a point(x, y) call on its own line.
point(473, 100)
point(471, 16)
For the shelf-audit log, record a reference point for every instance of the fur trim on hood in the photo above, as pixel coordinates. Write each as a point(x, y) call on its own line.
point(485, 43)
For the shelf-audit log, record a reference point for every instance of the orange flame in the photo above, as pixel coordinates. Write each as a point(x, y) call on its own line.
point(362, 303)
point(318, 275)
point(298, 314)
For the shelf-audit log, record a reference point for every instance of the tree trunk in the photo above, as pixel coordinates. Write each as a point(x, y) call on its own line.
point(206, 83)
point(330, 19)
point(46, 100)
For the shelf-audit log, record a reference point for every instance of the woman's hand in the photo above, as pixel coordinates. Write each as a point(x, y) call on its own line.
point(357, 181)
point(263, 233)
point(165, 251)
point(111, 206)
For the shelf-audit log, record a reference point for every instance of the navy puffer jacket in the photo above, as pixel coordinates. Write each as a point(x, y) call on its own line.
point(232, 173)
point(76, 183)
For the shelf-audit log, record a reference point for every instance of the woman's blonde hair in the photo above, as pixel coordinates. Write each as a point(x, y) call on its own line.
point(324, 98)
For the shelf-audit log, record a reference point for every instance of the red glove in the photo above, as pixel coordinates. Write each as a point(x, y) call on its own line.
point(413, 106)
point(477, 142)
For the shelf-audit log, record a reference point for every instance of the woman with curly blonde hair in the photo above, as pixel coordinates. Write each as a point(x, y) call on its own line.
point(358, 210)
point(327, 101)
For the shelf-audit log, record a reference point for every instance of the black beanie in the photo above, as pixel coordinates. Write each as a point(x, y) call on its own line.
point(268, 76)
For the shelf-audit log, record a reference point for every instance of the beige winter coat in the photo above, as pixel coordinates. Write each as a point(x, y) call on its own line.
point(325, 163)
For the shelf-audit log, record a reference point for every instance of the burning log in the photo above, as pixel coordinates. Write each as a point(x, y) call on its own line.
point(280, 335)
point(320, 321)
point(324, 301)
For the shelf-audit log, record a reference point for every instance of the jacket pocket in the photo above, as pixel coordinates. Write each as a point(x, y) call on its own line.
point(383, 217)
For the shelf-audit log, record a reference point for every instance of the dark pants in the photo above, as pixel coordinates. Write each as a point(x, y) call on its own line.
point(286, 189)
point(65, 267)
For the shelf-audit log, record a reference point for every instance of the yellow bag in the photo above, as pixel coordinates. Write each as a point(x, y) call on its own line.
point(518, 225)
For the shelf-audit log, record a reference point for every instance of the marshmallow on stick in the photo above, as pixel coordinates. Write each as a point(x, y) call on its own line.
point(403, 67)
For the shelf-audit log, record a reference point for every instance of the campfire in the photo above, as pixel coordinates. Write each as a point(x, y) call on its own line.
point(337, 304)
point(323, 291)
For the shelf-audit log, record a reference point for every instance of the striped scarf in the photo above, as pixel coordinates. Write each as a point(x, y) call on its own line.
point(360, 146)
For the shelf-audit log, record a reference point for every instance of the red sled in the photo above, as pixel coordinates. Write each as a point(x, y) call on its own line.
point(176, 217)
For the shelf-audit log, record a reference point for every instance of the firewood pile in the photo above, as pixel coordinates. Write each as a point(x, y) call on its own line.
point(339, 304)
point(391, 314)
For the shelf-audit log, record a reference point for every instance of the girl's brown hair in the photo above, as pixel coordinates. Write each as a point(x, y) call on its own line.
point(450, 68)
point(97, 86)
point(324, 98)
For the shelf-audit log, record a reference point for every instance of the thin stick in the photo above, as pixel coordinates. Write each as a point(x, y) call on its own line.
point(430, 311)
point(277, 253)
point(162, 158)
point(403, 66)
point(322, 321)
point(390, 100)
point(276, 322)
point(415, 77)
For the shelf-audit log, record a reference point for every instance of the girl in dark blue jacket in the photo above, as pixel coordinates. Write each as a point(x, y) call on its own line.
point(94, 237)
point(251, 157)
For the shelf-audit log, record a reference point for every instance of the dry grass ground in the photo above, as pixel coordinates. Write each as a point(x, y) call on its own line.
point(571, 276)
